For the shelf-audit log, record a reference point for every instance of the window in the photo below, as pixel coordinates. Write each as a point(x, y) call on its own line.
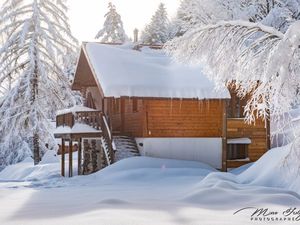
point(237, 151)
point(135, 105)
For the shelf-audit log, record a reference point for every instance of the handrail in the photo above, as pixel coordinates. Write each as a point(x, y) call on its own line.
point(107, 136)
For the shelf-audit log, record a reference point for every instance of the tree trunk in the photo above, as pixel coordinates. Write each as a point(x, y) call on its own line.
point(36, 149)
point(34, 92)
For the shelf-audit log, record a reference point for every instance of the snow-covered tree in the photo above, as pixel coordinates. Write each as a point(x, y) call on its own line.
point(157, 31)
point(232, 49)
point(195, 13)
point(33, 54)
point(112, 31)
point(275, 13)
point(261, 60)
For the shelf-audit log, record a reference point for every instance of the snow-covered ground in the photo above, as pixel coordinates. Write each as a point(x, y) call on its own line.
point(142, 190)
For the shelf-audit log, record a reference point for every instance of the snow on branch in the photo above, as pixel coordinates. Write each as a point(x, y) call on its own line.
point(36, 56)
point(261, 61)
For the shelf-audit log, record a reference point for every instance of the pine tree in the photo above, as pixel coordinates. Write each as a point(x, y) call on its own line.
point(195, 13)
point(275, 13)
point(37, 37)
point(112, 31)
point(158, 30)
point(189, 14)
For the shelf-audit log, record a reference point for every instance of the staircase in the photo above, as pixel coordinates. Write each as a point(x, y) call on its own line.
point(98, 148)
point(125, 147)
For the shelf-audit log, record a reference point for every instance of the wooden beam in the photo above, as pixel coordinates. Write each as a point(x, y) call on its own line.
point(145, 118)
point(122, 115)
point(268, 130)
point(70, 158)
point(224, 137)
point(79, 157)
point(63, 157)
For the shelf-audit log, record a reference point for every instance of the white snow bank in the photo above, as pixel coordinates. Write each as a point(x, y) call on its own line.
point(74, 109)
point(274, 169)
point(141, 162)
point(49, 157)
point(278, 168)
point(47, 169)
point(240, 169)
point(153, 171)
point(148, 73)
point(26, 171)
point(138, 190)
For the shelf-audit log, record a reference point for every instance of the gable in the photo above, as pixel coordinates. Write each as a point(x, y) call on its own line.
point(83, 76)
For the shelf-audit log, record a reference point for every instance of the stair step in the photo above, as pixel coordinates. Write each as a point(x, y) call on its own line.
point(125, 147)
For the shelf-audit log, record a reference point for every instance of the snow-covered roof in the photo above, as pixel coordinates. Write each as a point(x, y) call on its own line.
point(74, 109)
point(122, 71)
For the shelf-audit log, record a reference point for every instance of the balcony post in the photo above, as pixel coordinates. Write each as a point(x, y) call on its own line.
point(70, 158)
point(63, 157)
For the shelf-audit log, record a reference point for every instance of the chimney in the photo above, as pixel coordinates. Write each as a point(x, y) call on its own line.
point(135, 35)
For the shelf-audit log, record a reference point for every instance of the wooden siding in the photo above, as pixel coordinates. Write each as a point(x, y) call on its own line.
point(133, 120)
point(237, 128)
point(114, 114)
point(183, 118)
point(125, 118)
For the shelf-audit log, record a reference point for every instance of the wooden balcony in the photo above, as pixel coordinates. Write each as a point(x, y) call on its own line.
point(78, 124)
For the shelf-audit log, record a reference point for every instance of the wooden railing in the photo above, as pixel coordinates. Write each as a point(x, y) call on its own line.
point(65, 120)
point(95, 119)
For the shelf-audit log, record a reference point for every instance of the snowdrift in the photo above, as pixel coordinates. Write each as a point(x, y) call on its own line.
point(279, 167)
point(273, 170)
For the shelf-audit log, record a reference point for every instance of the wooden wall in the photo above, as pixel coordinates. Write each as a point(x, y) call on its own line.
point(113, 113)
point(237, 128)
point(183, 118)
point(126, 116)
point(133, 119)
point(167, 118)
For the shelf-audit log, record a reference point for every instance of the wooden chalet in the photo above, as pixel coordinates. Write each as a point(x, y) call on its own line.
point(171, 110)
